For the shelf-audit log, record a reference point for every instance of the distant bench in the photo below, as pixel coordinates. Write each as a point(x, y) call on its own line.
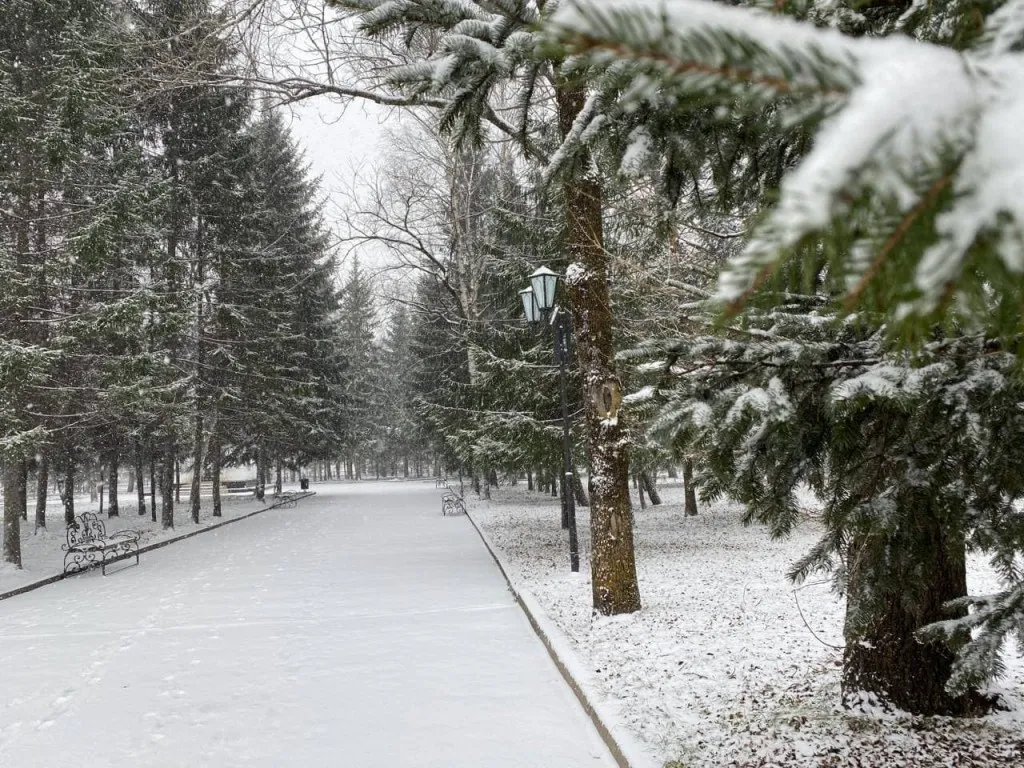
point(287, 499)
point(89, 545)
point(452, 504)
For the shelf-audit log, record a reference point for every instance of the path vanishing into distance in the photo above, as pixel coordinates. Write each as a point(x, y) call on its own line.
point(360, 630)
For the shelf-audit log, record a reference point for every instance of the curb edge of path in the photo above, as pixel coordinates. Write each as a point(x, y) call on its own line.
point(623, 748)
point(34, 585)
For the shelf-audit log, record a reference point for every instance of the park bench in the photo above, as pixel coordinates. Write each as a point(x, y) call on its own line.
point(452, 504)
point(287, 499)
point(89, 545)
point(440, 482)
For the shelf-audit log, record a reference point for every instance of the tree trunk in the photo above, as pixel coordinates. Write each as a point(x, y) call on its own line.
point(261, 477)
point(152, 486)
point(647, 482)
point(167, 485)
point(277, 477)
point(197, 468)
point(529, 480)
point(113, 508)
point(689, 490)
point(42, 488)
point(214, 459)
point(883, 654)
point(556, 475)
point(140, 478)
point(68, 494)
point(131, 482)
point(492, 477)
point(639, 490)
point(612, 561)
point(177, 481)
point(672, 472)
point(15, 477)
point(581, 492)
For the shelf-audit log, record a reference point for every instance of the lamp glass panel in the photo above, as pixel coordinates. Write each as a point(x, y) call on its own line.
point(529, 305)
point(544, 282)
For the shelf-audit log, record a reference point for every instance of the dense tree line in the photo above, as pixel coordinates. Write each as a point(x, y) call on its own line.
point(168, 294)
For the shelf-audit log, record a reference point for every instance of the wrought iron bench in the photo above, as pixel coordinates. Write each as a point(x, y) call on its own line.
point(287, 499)
point(452, 504)
point(440, 482)
point(88, 545)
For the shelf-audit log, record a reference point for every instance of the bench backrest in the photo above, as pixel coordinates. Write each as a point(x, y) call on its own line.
point(86, 528)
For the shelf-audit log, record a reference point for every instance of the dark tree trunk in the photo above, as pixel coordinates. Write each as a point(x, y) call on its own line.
point(113, 508)
point(672, 472)
point(883, 654)
point(405, 466)
point(277, 477)
point(197, 468)
point(140, 478)
point(261, 477)
point(214, 459)
point(131, 482)
point(639, 490)
point(42, 490)
point(529, 480)
point(23, 494)
point(152, 487)
point(555, 484)
point(68, 493)
point(177, 481)
point(167, 485)
point(647, 483)
point(15, 479)
point(581, 492)
point(492, 477)
point(689, 489)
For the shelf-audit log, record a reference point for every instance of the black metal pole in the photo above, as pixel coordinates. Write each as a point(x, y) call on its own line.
point(568, 486)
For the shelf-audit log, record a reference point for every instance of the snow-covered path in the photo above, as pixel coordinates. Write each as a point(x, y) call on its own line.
point(358, 630)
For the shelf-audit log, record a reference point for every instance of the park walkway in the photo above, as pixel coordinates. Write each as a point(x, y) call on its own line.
point(359, 630)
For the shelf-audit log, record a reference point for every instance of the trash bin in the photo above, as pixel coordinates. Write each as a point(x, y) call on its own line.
point(304, 483)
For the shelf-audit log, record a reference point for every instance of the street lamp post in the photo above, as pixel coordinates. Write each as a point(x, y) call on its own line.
point(539, 303)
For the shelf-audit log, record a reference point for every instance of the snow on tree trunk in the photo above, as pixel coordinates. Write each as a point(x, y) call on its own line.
point(14, 489)
point(42, 488)
point(883, 655)
point(612, 563)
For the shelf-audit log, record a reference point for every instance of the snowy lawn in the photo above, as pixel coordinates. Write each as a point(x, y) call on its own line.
point(720, 668)
point(41, 554)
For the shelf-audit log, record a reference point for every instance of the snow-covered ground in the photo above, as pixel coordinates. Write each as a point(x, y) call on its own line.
point(720, 668)
point(41, 554)
point(360, 629)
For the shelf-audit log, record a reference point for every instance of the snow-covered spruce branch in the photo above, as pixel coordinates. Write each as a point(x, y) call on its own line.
point(918, 146)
